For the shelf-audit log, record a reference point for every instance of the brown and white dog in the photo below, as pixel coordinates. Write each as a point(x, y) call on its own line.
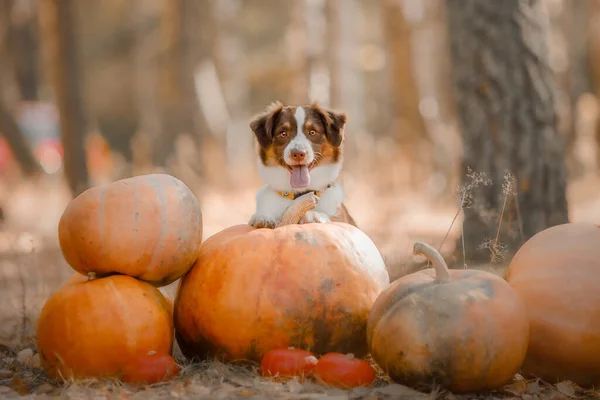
point(299, 152)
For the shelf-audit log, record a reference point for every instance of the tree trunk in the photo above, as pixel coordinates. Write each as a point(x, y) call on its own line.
point(347, 89)
point(185, 44)
point(17, 142)
point(231, 63)
point(594, 65)
point(408, 125)
point(577, 39)
point(58, 26)
point(23, 46)
point(505, 92)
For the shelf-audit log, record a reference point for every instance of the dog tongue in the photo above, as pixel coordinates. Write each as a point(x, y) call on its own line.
point(300, 177)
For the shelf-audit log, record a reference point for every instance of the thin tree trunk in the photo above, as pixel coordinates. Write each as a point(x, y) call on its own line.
point(319, 75)
point(9, 128)
point(185, 42)
point(505, 97)
point(296, 45)
point(347, 88)
point(58, 26)
point(579, 70)
point(594, 65)
point(23, 46)
point(231, 65)
point(408, 124)
point(17, 142)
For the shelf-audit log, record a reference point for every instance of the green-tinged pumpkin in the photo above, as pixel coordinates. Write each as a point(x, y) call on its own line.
point(465, 330)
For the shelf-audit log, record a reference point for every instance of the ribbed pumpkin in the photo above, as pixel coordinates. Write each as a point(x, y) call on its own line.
point(465, 330)
point(94, 329)
point(251, 290)
point(78, 278)
point(148, 227)
point(557, 274)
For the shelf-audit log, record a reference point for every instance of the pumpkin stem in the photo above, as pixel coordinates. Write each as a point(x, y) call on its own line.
point(441, 269)
point(91, 275)
point(294, 213)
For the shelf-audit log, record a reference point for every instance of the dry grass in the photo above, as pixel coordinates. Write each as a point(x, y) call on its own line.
point(216, 380)
point(31, 267)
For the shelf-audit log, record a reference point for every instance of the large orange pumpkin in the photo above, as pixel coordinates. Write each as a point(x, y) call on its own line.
point(557, 274)
point(465, 330)
point(310, 286)
point(148, 227)
point(93, 329)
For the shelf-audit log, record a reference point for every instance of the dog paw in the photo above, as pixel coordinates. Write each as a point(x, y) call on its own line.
point(310, 195)
point(314, 217)
point(259, 222)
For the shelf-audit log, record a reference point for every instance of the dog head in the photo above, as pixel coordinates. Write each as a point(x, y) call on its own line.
point(300, 147)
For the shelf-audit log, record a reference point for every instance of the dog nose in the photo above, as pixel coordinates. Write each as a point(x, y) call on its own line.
point(298, 155)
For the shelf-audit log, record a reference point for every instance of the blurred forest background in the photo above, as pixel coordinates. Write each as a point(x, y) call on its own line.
point(92, 92)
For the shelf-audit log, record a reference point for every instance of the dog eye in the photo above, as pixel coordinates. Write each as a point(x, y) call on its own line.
point(282, 134)
point(312, 133)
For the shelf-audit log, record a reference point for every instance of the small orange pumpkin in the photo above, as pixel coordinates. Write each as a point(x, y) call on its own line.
point(150, 368)
point(94, 329)
point(557, 274)
point(285, 363)
point(310, 286)
point(148, 227)
point(465, 330)
point(343, 371)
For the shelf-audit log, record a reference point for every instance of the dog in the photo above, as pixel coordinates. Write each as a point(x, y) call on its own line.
point(300, 153)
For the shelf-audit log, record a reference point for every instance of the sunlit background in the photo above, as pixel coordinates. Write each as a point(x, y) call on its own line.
point(169, 85)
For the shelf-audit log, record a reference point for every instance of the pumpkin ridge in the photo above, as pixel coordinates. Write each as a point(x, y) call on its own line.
point(162, 202)
point(101, 222)
point(123, 314)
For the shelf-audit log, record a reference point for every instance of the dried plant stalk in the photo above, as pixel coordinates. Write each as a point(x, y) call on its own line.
point(296, 211)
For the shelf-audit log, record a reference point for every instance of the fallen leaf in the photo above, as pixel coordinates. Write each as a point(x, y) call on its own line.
point(18, 384)
point(517, 388)
point(533, 387)
point(567, 388)
point(24, 355)
point(246, 393)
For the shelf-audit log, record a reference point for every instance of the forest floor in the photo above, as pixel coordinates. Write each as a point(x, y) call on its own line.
point(32, 267)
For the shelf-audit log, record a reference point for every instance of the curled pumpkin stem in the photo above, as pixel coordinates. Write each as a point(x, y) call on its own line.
point(441, 268)
point(294, 213)
point(91, 275)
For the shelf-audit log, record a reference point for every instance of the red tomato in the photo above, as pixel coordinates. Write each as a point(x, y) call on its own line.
point(344, 371)
point(150, 369)
point(287, 362)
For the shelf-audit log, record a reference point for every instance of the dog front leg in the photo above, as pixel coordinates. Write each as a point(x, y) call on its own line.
point(261, 221)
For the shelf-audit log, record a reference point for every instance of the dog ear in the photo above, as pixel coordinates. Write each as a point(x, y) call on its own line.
point(334, 123)
point(262, 124)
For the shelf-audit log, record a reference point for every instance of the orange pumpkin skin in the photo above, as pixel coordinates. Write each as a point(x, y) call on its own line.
point(147, 226)
point(150, 368)
point(93, 329)
point(78, 278)
point(251, 290)
point(467, 334)
point(285, 363)
point(343, 371)
point(557, 274)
